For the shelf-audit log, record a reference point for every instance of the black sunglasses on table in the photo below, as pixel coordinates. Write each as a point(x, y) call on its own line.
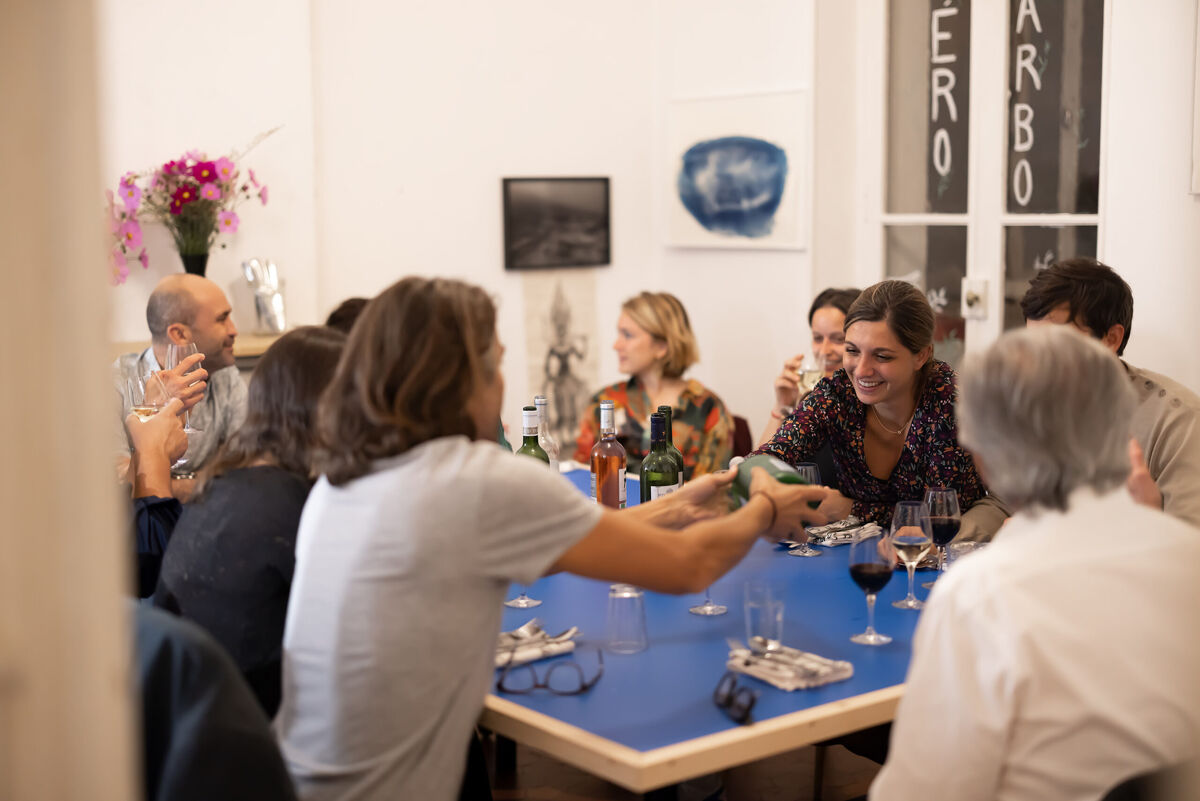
point(736, 701)
point(561, 678)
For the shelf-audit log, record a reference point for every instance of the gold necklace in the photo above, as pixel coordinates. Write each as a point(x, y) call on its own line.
point(903, 428)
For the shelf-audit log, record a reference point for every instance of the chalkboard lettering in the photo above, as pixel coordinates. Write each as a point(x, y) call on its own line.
point(949, 85)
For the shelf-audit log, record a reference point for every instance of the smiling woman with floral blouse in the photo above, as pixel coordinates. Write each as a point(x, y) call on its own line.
point(888, 416)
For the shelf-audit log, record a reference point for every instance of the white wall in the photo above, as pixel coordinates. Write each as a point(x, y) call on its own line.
point(176, 76)
point(422, 110)
point(1152, 230)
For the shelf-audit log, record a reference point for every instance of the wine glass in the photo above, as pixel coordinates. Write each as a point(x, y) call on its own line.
point(176, 353)
point(522, 601)
point(810, 375)
point(810, 474)
point(708, 608)
point(912, 537)
point(872, 563)
point(144, 395)
point(945, 519)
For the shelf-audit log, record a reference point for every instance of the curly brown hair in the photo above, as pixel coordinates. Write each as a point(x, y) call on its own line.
point(281, 404)
point(412, 363)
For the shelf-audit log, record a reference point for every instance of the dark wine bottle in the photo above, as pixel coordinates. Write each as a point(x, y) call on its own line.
point(660, 473)
point(668, 412)
point(608, 462)
point(529, 432)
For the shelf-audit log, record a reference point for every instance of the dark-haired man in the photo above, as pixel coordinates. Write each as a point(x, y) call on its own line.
point(1165, 449)
point(187, 308)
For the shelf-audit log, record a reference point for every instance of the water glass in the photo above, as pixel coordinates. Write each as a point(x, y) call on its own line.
point(626, 619)
point(764, 616)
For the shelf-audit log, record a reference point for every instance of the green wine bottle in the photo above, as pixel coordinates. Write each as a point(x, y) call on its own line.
point(777, 468)
point(660, 473)
point(668, 412)
point(529, 432)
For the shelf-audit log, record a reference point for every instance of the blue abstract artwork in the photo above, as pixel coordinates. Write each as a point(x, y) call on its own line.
point(733, 185)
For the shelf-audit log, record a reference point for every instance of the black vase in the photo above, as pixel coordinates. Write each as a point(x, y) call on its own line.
point(194, 263)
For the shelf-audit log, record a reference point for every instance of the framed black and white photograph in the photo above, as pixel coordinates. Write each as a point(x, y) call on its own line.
point(556, 222)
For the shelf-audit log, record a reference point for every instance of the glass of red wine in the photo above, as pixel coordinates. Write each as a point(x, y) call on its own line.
point(945, 520)
point(871, 567)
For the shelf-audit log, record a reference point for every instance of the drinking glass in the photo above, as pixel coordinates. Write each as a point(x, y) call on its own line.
point(810, 376)
point(708, 608)
point(144, 395)
point(912, 537)
point(811, 474)
point(872, 562)
point(945, 520)
point(764, 616)
point(175, 355)
point(626, 619)
point(522, 601)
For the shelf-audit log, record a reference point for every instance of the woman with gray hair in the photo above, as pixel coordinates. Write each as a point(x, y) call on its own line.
point(1035, 454)
point(1060, 661)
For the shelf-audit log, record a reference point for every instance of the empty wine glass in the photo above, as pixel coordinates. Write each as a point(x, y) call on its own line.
point(872, 563)
point(522, 601)
point(176, 353)
point(811, 475)
point(708, 608)
point(912, 538)
point(944, 520)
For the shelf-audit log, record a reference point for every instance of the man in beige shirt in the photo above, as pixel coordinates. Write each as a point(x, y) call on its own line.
point(1165, 449)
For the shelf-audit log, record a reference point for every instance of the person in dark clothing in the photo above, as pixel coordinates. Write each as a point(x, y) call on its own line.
point(203, 735)
point(156, 443)
point(230, 560)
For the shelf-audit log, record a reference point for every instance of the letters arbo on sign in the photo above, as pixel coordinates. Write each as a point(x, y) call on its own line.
point(1022, 113)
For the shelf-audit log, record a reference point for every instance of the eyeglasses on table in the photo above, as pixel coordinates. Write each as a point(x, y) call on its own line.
point(561, 678)
point(735, 700)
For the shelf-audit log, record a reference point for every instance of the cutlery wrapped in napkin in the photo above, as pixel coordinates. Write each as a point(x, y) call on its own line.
point(531, 642)
point(839, 533)
point(787, 668)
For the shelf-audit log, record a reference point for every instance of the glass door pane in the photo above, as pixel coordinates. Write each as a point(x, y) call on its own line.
point(928, 90)
point(1054, 68)
point(1029, 249)
point(934, 258)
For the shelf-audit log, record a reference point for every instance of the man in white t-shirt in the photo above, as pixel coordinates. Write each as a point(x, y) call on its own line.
point(1061, 660)
point(409, 542)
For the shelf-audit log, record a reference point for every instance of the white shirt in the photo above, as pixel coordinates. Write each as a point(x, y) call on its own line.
point(1055, 663)
point(395, 607)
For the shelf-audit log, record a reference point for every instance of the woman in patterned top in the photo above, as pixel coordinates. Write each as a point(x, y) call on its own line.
point(888, 416)
point(655, 345)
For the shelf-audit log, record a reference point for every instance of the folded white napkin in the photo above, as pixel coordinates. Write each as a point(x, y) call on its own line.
point(530, 643)
point(788, 668)
point(841, 532)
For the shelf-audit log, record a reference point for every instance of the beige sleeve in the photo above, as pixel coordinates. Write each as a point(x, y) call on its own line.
point(982, 521)
point(1172, 450)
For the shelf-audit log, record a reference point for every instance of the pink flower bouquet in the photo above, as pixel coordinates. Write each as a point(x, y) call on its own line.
point(194, 197)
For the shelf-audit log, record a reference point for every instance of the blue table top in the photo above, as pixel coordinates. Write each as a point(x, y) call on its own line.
point(663, 695)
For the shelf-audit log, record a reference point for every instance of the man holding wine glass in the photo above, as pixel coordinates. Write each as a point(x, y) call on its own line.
point(1060, 661)
point(184, 311)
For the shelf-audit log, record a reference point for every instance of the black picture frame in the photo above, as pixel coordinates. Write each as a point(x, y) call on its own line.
point(556, 222)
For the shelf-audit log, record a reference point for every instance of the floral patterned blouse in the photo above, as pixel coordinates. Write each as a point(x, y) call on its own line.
point(701, 428)
point(931, 456)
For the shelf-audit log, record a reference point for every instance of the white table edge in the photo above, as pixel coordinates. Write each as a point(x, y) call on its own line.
point(641, 771)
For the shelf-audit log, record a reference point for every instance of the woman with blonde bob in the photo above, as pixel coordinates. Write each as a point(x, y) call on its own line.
point(410, 539)
point(655, 346)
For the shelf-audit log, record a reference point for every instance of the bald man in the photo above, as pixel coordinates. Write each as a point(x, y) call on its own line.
point(186, 308)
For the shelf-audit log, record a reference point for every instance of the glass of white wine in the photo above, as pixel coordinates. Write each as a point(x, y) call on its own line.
point(912, 537)
point(143, 397)
point(175, 355)
point(810, 376)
